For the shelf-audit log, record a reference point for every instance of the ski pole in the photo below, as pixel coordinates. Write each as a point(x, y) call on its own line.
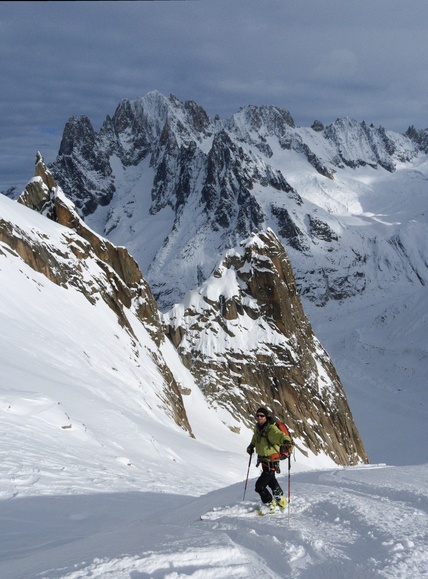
point(248, 472)
point(289, 487)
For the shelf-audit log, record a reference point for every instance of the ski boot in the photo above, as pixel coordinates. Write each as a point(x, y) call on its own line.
point(282, 502)
point(267, 508)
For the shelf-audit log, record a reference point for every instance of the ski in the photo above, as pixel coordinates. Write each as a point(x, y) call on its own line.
point(245, 509)
point(242, 510)
point(278, 511)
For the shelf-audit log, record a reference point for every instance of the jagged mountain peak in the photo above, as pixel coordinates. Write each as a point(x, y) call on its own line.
point(78, 133)
point(38, 192)
point(153, 111)
point(274, 119)
point(209, 183)
point(359, 144)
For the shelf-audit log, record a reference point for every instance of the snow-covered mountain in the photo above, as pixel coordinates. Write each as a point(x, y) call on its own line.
point(348, 201)
point(245, 338)
point(100, 475)
point(284, 364)
point(177, 188)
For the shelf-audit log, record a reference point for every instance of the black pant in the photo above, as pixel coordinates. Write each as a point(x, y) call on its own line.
point(268, 479)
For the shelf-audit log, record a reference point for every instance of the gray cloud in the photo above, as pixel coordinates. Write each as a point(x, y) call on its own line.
point(319, 60)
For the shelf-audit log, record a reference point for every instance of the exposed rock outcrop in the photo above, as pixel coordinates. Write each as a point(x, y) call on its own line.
point(95, 266)
point(128, 286)
point(246, 339)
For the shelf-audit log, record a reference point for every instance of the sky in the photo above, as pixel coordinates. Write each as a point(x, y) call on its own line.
point(320, 60)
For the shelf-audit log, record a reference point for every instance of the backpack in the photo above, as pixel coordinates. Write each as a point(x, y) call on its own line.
point(286, 450)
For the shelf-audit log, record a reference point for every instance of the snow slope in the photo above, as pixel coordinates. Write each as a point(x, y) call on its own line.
point(380, 350)
point(356, 523)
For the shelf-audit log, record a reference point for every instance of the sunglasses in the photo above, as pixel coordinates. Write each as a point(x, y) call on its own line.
point(260, 416)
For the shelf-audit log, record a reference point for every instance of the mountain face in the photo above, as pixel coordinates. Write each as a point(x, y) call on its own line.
point(177, 189)
point(245, 338)
point(242, 334)
point(93, 265)
point(346, 200)
point(125, 287)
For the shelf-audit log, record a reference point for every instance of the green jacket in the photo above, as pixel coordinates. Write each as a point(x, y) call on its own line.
point(268, 440)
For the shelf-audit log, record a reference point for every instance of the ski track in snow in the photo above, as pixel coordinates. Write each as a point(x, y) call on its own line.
point(355, 523)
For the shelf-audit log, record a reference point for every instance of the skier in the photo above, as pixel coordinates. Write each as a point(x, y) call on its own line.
point(267, 440)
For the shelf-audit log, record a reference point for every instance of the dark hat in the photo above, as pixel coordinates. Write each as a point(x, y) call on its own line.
point(263, 411)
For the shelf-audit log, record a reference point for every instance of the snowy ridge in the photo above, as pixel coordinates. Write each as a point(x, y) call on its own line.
point(206, 184)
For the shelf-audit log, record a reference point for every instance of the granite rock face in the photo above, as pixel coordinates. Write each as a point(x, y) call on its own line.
point(246, 339)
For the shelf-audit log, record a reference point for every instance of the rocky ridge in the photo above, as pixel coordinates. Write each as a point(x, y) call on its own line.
point(93, 265)
point(245, 338)
point(177, 188)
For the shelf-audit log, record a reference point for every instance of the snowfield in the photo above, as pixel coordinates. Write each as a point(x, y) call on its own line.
point(356, 523)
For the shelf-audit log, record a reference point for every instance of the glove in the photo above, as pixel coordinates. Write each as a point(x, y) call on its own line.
point(286, 448)
point(250, 449)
